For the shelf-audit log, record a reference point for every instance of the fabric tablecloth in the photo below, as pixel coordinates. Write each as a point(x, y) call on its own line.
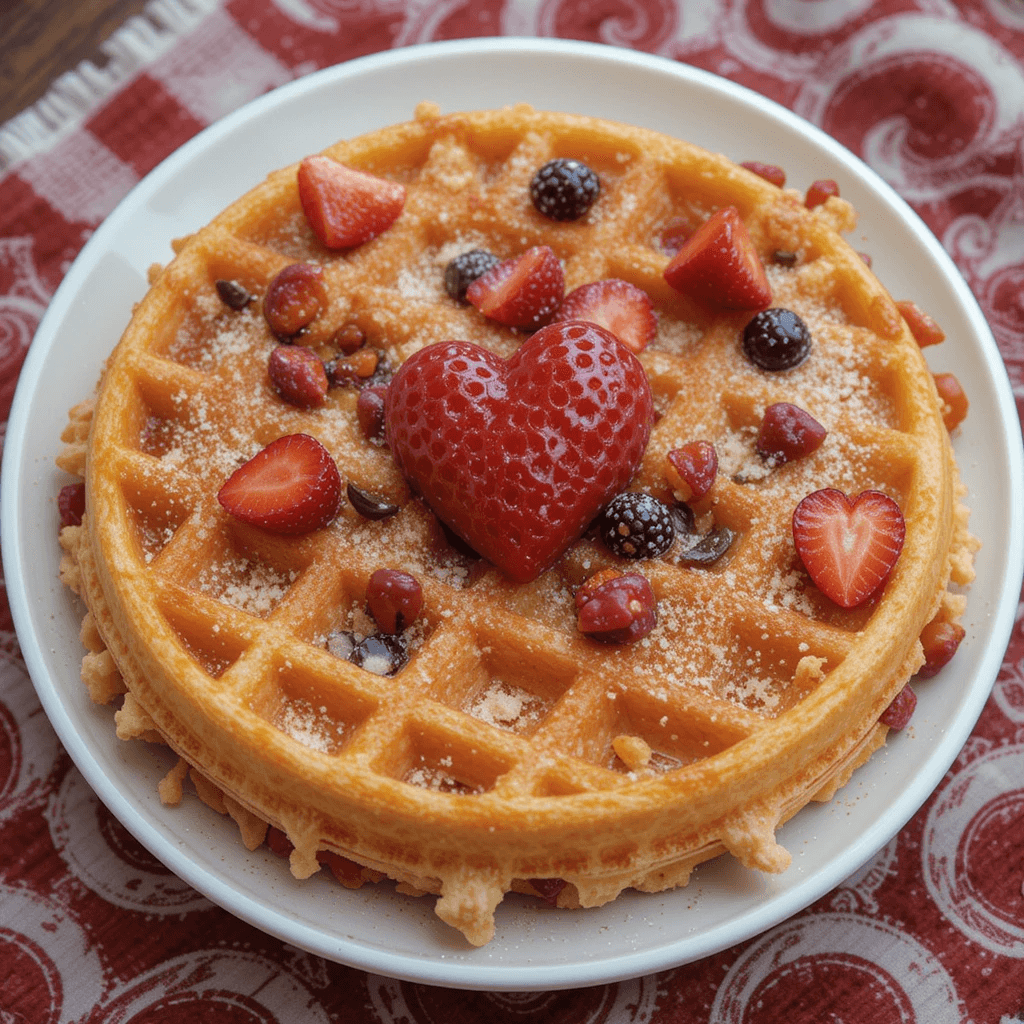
point(930, 93)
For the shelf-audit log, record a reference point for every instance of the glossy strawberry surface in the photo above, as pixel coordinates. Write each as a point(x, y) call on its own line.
point(517, 456)
point(521, 292)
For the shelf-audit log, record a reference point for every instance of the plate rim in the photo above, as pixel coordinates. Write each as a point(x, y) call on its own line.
point(434, 971)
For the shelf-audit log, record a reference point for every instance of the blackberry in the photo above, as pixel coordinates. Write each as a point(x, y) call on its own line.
point(380, 653)
point(776, 339)
point(564, 189)
point(462, 271)
point(636, 525)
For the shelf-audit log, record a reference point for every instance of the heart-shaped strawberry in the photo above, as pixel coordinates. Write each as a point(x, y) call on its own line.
point(848, 547)
point(517, 456)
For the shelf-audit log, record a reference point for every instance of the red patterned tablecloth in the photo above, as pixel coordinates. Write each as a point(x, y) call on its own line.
point(931, 94)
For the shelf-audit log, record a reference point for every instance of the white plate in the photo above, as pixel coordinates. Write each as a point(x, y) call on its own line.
point(374, 928)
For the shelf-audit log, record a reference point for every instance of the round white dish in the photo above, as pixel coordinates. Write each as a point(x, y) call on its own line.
point(374, 928)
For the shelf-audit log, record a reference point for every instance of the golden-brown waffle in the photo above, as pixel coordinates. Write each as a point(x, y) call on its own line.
point(510, 749)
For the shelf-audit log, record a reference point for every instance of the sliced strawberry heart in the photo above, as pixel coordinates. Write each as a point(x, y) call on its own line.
point(517, 457)
point(621, 307)
point(848, 547)
point(719, 265)
point(521, 292)
point(292, 486)
point(346, 207)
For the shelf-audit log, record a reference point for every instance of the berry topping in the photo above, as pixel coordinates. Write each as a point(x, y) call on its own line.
point(621, 307)
point(71, 504)
point(292, 486)
point(357, 368)
point(564, 189)
point(819, 192)
point(953, 399)
point(776, 339)
point(693, 468)
point(394, 599)
point(232, 294)
point(381, 653)
point(370, 412)
point(924, 329)
point(521, 292)
point(940, 641)
point(707, 550)
point(294, 298)
point(848, 547)
point(518, 456)
point(637, 525)
point(348, 338)
point(719, 265)
point(617, 611)
point(770, 172)
point(298, 375)
point(462, 271)
point(548, 889)
point(346, 207)
point(369, 506)
point(788, 432)
point(898, 714)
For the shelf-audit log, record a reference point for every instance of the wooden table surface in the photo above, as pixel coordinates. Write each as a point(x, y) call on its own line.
point(41, 39)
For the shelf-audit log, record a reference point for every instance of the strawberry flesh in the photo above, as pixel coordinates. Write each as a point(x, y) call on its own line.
point(848, 547)
point(718, 265)
point(619, 610)
point(618, 306)
point(696, 466)
point(346, 207)
point(292, 486)
point(517, 457)
point(521, 292)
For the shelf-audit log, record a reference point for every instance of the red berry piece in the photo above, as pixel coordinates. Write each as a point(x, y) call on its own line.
point(517, 457)
point(849, 548)
point(346, 207)
point(788, 432)
point(294, 297)
point(370, 412)
point(548, 889)
point(770, 172)
point(621, 307)
point(924, 329)
point(521, 292)
point(71, 504)
point(953, 399)
point(394, 598)
point(696, 466)
point(292, 486)
point(940, 641)
point(719, 265)
point(819, 192)
point(898, 714)
point(298, 376)
point(618, 611)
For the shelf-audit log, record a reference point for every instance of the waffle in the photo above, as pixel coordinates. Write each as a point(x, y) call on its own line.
point(511, 752)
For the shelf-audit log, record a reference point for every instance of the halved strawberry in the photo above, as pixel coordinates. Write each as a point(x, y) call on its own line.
point(292, 486)
point(693, 468)
point(618, 306)
point(848, 547)
point(719, 265)
point(346, 207)
point(521, 292)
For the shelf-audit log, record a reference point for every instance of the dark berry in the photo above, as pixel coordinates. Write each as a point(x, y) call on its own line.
point(462, 271)
point(233, 294)
point(368, 505)
point(381, 653)
point(708, 550)
point(776, 339)
point(637, 525)
point(394, 599)
point(370, 412)
point(564, 189)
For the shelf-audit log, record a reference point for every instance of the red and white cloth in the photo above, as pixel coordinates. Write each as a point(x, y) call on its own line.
point(931, 94)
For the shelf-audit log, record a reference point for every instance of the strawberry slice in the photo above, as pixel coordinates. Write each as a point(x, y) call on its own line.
point(346, 207)
point(616, 305)
point(521, 292)
point(292, 486)
point(719, 265)
point(848, 547)
point(693, 468)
